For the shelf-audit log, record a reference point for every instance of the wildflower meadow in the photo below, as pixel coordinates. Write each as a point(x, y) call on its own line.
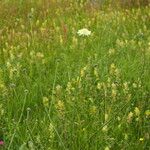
point(74, 75)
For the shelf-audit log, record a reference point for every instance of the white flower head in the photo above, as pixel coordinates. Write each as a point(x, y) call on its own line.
point(84, 32)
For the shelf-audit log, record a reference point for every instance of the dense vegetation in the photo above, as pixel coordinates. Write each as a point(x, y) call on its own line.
point(63, 91)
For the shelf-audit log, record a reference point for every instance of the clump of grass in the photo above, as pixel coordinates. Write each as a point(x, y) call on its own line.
point(102, 110)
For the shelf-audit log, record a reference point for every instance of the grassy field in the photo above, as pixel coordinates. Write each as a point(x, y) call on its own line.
point(63, 91)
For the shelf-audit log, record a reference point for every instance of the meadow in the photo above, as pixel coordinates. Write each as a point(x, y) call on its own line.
point(63, 89)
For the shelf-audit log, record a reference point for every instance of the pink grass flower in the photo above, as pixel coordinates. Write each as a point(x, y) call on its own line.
point(1, 142)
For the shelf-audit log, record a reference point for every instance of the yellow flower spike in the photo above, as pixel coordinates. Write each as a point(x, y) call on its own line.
point(112, 68)
point(118, 118)
point(69, 86)
point(114, 93)
point(60, 105)
point(42, 30)
point(106, 117)
point(51, 131)
point(137, 111)
point(108, 80)
point(134, 85)
point(105, 128)
point(113, 86)
point(123, 18)
point(130, 117)
point(39, 55)
point(84, 129)
point(2, 86)
point(45, 101)
point(61, 39)
point(111, 51)
point(129, 97)
point(37, 22)
point(82, 73)
point(126, 136)
point(96, 72)
point(93, 110)
point(32, 10)
point(147, 113)
point(119, 126)
point(1, 110)
point(58, 88)
point(137, 119)
point(22, 27)
point(119, 43)
point(125, 86)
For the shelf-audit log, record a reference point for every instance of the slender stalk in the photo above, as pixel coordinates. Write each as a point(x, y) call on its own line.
point(21, 115)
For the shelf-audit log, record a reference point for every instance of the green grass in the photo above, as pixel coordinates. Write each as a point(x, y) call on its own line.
point(60, 91)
